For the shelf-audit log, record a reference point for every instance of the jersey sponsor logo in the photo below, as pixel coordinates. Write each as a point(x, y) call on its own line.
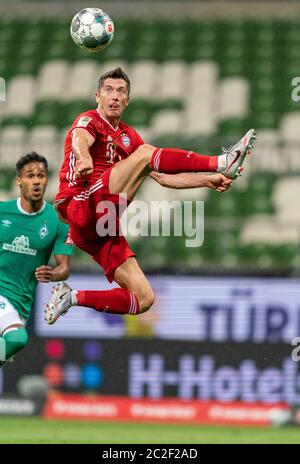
point(6, 222)
point(125, 140)
point(111, 151)
point(83, 121)
point(43, 231)
point(20, 245)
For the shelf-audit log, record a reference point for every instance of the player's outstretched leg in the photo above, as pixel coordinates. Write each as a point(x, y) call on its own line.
point(134, 296)
point(128, 175)
point(115, 301)
point(171, 161)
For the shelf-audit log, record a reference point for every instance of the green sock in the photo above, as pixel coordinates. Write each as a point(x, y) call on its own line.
point(15, 340)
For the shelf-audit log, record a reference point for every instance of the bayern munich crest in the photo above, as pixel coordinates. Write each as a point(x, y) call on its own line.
point(125, 140)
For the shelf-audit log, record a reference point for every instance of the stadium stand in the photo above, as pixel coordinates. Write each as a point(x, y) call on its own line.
point(200, 88)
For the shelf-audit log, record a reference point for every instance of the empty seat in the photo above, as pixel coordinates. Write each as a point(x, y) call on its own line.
point(233, 98)
point(286, 192)
point(82, 81)
point(172, 76)
point(12, 143)
point(201, 121)
point(266, 229)
point(290, 136)
point(200, 99)
point(202, 73)
point(52, 80)
point(286, 196)
point(144, 76)
point(44, 140)
point(267, 152)
point(20, 96)
point(167, 122)
point(289, 127)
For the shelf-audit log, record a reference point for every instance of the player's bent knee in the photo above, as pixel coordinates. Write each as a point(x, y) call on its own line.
point(146, 301)
point(145, 152)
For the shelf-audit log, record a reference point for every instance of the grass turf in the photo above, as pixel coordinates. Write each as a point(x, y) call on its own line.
point(39, 431)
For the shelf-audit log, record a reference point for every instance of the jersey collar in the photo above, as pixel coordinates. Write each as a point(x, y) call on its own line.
point(25, 212)
point(107, 122)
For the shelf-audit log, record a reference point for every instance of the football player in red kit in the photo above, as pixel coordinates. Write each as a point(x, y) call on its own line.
point(104, 157)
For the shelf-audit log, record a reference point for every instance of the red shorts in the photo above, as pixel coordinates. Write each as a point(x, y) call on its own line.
point(89, 219)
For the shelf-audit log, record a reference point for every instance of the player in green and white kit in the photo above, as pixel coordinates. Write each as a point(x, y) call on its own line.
point(30, 231)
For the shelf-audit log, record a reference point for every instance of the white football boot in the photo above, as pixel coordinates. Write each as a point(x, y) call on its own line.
point(231, 161)
point(59, 304)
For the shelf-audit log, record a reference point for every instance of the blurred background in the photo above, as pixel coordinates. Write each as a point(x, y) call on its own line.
point(202, 73)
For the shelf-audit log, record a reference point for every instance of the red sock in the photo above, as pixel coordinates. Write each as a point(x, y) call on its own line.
point(174, 160)
point(117, 300)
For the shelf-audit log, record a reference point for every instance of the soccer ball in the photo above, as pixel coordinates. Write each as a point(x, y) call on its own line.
point(92, 29)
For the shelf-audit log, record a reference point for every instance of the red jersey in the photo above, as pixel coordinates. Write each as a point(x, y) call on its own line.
point(110, 146)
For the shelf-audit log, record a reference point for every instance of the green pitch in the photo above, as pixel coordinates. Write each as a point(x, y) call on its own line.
point(36, 430)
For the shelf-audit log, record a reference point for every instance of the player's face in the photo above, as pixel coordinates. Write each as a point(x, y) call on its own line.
point(113, 97)
point(33, 181)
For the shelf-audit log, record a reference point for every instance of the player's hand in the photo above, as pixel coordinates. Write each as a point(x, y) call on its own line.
point(44, 274)
point(219, 182)
point(84, 167)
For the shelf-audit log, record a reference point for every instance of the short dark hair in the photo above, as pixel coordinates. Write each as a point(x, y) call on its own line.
point(116, 73)
point(30, 158)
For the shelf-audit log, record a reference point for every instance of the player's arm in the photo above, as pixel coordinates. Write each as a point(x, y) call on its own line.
point(188, 180)
point(82, 140)
point(62, 251)
point(57, 273)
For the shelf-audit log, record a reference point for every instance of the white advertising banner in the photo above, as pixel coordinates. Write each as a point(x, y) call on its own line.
point(188, 308)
